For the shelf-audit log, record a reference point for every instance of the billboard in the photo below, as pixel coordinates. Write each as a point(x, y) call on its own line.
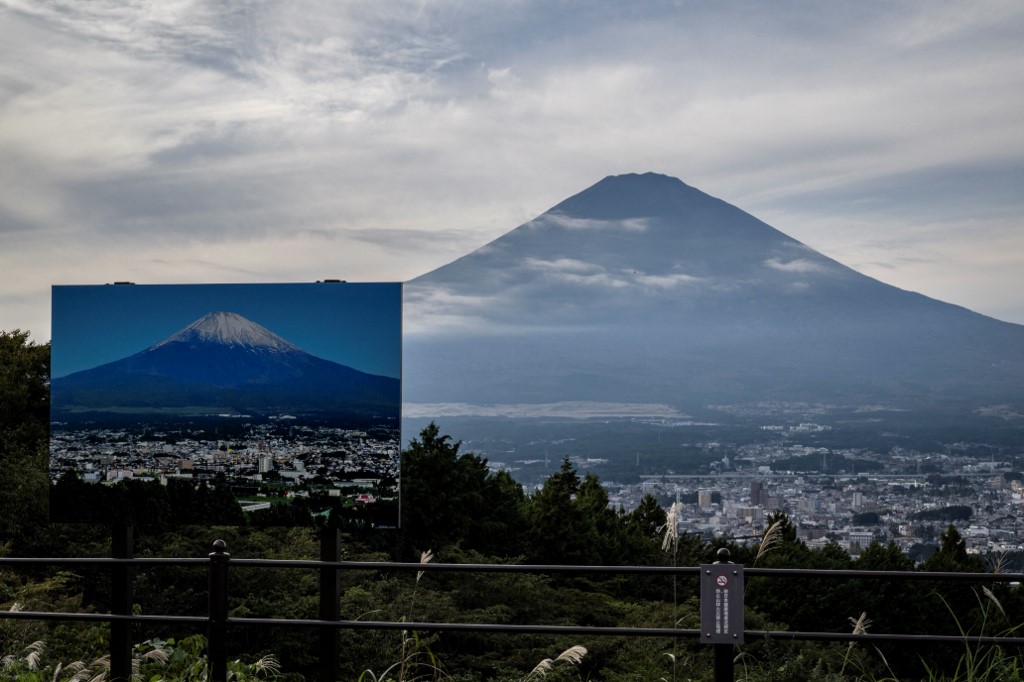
point(277, 392)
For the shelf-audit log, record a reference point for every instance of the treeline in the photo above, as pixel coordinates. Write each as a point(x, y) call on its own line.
point(455, 509)
point(161, 506)
point(957, 512)
point(455, 506)
point(453, 499)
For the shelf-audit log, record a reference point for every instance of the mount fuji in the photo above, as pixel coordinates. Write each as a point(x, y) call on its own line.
point(644, 289)
point(225, 362)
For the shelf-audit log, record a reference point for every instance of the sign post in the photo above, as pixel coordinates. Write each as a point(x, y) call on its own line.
point(721, 611)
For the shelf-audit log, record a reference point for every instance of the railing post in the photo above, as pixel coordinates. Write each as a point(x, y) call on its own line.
point(122, 546)
point(723, 663)
point(724, 652)
point(218, 616)
point(330, 595)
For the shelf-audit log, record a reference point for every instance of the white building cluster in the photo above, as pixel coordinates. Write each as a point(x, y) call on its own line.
point(892, 501)
point(296, 455)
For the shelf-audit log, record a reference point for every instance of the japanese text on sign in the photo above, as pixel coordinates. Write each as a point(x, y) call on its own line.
point(721, 603)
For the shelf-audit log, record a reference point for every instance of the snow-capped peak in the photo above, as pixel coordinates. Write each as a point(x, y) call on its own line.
point(229, 329)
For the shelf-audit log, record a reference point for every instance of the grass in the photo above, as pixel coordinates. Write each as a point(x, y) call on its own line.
point(154, 659)
point(979, 662)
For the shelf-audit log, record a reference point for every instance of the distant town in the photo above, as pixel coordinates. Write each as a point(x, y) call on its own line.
point(850, 496)
point(279, 458)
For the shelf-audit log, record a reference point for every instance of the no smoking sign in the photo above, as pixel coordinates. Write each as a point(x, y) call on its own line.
point(721, 603)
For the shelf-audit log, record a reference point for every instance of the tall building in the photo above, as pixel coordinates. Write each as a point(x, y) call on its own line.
point(704, 499)
point(758, 493)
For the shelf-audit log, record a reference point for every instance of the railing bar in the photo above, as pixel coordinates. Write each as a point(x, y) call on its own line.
point(101, 561)
point(523, 568)
point(618, 631)
point(103, 617)
point(467, 627)
point(621, 631)
point(668, 570)
point(464, 568)
point(882, 575)
point(523, 629)
point(882, 637)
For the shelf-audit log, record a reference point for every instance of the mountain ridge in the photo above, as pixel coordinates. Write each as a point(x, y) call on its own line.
point(225, 361)
point(230, 329)
point(642, 288)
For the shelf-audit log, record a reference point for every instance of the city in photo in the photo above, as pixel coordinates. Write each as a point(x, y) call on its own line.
point(274, 392)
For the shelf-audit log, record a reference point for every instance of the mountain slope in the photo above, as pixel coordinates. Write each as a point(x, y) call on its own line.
point(227, 362)
point(642, 288)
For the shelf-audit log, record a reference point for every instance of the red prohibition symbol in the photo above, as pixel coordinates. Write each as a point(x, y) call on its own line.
point(722, 581)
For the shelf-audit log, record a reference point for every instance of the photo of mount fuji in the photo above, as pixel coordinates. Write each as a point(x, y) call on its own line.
point(275, 392)
point(228, 363)
point(225, 363)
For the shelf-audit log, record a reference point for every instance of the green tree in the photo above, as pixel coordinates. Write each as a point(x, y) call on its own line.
point(432, 497)
point(450, 498)
point(785, 529)
point(560, 532)
point(604, 529)
point(181, 496)
point(952, 555)
point(869, 518)
point(25, 387)
point(885, 601)
point(645, 527)
point(24, 433)
point(501, 529)
point(879, 557)
point(819, 604)
point(648, 519)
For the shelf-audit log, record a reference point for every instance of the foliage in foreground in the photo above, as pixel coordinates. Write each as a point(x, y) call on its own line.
point(465, 513)
point(152, 660)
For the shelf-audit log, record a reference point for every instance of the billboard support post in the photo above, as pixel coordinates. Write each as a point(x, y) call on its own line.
point(330, 596)
point(122, 543)
point(218, 613)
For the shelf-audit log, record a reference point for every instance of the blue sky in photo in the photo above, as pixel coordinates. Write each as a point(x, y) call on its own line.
point(358, 325)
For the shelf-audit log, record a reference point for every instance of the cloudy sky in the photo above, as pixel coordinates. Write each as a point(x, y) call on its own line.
point(270, 141)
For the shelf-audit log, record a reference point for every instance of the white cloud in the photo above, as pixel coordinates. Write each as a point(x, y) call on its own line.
point(573, 271)
point(576, 223)
point(797, 265)
point(563, 266)
point(268, 140)
point(441, 310)
point(670, 281)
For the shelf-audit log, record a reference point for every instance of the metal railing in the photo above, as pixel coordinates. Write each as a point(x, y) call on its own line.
point(329, 567)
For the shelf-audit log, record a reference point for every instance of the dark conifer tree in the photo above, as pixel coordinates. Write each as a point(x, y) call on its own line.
point(24, 434)
point(451, 498)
